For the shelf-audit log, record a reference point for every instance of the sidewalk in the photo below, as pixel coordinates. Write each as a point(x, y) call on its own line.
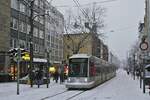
point(8, 91)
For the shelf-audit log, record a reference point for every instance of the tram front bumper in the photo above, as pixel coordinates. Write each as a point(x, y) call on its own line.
point(80, 85)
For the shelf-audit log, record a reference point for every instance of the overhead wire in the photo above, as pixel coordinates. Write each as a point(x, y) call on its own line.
point(79, 6)
point(106, 1)
point(82, 10)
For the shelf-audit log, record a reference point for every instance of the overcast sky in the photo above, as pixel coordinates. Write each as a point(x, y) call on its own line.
point(122, 16)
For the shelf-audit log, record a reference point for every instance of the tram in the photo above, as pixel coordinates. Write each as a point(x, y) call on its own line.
point(86, 71)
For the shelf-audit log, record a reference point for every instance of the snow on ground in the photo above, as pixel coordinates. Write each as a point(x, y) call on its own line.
point(8, 91)
point(122, 87)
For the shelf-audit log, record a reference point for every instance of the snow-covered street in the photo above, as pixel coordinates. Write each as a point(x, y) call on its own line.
point(122, 87)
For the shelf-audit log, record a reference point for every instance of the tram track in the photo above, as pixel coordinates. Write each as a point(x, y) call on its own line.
point(63, 94)
point(75, 95)
point(53, 95)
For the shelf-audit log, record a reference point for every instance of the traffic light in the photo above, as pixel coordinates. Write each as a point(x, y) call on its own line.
point(13, 53)
point(25, 56)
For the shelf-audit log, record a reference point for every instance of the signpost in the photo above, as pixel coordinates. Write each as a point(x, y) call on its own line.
point(143, 47)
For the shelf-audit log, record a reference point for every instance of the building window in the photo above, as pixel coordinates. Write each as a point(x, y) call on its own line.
point(21, 26)
point(28, 29)
point(48, 37)
point(35, 33)
point(35, 16)
point(11, 22)
point(22, 8)
point(28, 12)
point(52, 45)
point(12, 43)
point(52, 39)
point(36, 2)
point(41, 20)
point(14, 4)
point(41, 34)
point(22, 43)
point(15, 43)
point(41, 50)
point(27, 45)
point(14, 23)
point(41, 4)
point(47, 44)
point(36, 48)
point(24, 27)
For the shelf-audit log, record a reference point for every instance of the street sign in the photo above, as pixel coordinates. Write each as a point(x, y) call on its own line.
point(143, 46)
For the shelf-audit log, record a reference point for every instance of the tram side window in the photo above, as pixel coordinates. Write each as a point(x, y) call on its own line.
point(92, 70)
point(78, 67)
point(148, 69)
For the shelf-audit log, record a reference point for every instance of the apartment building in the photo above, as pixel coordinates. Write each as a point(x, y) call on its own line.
point(84, 43)
point(47, 32)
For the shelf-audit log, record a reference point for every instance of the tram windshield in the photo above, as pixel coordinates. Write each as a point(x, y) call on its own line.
point(78, 67)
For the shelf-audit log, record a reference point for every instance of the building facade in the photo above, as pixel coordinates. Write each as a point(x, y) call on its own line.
point(147, 22)
point(84, 43)
point(54, 34)
point(47, 38)
point(4, 32)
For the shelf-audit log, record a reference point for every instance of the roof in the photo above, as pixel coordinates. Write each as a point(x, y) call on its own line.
point(80, 56)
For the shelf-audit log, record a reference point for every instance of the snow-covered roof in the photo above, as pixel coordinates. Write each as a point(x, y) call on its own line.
point(80, 56)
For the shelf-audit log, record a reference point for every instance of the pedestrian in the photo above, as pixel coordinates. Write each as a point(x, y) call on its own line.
point(61, 73)
point(31, 77)
point(56, 74)
point(52, 72)
point(39, 75)
point(138, 73)
point(66, 71)
point(127, 71)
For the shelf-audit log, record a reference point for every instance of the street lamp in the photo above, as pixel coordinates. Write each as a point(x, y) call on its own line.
point(18, 51)
point(31, 42)
point(47, 67)
point(31, 18)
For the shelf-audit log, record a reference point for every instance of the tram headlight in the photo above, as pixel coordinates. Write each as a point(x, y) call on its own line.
point(85, 80)
point(69, 79)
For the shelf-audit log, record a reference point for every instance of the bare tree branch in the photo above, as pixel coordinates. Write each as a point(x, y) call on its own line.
point(95, 18)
